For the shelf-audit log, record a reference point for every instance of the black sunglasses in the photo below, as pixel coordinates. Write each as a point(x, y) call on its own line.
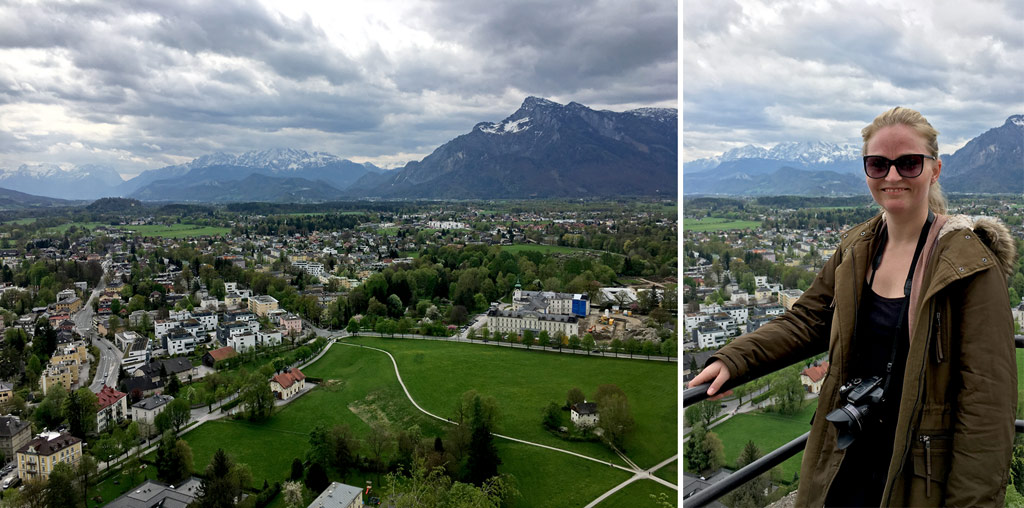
point(908, 166)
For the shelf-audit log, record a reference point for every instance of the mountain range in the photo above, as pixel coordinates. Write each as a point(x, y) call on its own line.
point(993, 162)
point(544, 149)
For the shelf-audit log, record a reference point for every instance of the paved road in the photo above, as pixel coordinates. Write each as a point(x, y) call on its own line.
point(110, 356)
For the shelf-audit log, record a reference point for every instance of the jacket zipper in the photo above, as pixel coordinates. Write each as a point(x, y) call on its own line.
point(938, 337)
point(927, 465)
point(910, 429)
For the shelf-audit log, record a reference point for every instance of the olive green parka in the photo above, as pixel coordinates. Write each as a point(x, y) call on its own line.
point(955, 429)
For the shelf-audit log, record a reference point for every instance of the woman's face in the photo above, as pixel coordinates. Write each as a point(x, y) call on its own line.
point(896, 194)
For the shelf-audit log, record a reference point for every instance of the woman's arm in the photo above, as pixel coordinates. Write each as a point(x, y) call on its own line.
point(983, 427)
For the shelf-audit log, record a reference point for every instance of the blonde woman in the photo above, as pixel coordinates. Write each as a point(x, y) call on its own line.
point(918, 405)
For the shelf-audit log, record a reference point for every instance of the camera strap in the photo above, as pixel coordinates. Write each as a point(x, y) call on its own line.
point(922, 239)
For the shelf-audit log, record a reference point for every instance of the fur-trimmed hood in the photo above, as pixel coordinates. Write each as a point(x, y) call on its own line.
point(991, 232)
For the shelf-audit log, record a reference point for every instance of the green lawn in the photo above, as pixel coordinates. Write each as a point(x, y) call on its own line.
point(768, 431)
point(524, 382)
point(718, 224)
point(549, 249)
point(177, 230)
point(108, 490)
point(366, 391)
point(547, 479)
point(669, 472)
point(22, 222)
point(638, 494)
point(63, 228)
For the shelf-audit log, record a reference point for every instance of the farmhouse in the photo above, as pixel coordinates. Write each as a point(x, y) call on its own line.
point(287, 383)
point(584, 414)
point(812, 377)
point(211, 358)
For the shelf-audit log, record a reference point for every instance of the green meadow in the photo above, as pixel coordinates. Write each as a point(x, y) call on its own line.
point(177, 230)
point(718, 224)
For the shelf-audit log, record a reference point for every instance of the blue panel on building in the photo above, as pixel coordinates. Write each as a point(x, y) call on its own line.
point(579, 307)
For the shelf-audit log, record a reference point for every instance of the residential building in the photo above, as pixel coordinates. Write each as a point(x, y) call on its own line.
point(261, 304)
point(290, 323)
point(156, 494)
point(125, 340)
point(69, 306)
point(37, 458)
point(136, 354)
point(270, 337)
point(54, 375)
point(812, 377)
point(65, 294)
point(584, 414)
point(113, 408)
point(145, 410)
point(708, 334)
point(6, 392)
point(787, 297)
point(339, 495)
point(14, 433)
point(287, 383)
point(180, 342)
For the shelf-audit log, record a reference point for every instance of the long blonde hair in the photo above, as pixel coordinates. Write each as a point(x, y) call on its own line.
point(916, 121)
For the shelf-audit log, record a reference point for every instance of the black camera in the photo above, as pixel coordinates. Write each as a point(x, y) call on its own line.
point(862, 396)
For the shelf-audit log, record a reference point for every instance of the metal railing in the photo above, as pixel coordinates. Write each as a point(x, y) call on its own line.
point(772, 459)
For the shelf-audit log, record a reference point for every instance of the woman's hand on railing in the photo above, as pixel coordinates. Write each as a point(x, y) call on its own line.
point(717, 373)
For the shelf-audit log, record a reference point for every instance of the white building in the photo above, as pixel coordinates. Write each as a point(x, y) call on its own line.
point(710, 335)
point(517, 321)
point(584, 414)
point(266, 338)
point(551, 302)
point(145, 410)
point(242, 342)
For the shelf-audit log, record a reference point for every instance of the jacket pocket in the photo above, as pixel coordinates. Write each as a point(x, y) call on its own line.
point(931, 456)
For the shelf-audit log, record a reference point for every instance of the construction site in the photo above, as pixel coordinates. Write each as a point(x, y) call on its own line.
point(610, 324)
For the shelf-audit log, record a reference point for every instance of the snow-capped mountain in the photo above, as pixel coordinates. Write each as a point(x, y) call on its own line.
point(804, 154)
point(88, 181)
point(545, 149)
point(174, 182)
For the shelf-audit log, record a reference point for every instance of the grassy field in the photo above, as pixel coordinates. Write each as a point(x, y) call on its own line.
point(524, 382)
point(108, 490)
point(22, 222)
point(63, 228)
point(360, 387)
point(366, 391)
point(550, 249)
point(177, 230)
point(717, 224)
point(547, 479)
point(768, 431)
point(638, 494)
point(669, 472)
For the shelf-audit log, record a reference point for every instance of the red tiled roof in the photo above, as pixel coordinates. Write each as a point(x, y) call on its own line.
point(816, 373)
point(108, 396)
point(223, 353)
point(285, 379)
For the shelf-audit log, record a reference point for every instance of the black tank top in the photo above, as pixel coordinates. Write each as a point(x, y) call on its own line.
point(861, 477)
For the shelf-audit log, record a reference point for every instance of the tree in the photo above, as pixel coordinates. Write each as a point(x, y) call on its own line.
point(50, 412)
point(353, 326)
point(615, 418)
point(173, 386)
point(588, 342)
point(178, 413)
point(483, 454)
point(527, 338)
point(752, 493)
point(704, 451)
point(86, 476)
point(704, 412)
point(545, 338)
point(173, 459)
point(80, 408)
point(379, 440)
point(60, 488)
point(105, 450)
point(258, 398)
point(552, 416)
point(223, 483)
point(292, 492)
point(575, 396)
point(423, 488)
point(789, 392)
point(574, 342)
point(316, 478)
point(297, 469)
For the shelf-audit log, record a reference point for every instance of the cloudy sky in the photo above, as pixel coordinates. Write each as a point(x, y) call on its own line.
point(764, 72)
point(160, 82)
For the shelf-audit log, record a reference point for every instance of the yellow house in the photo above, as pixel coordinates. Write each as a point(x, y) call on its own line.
point(262, 304)
point(6, 391)
point(38, 458)
point(55, 375)
point(71, 305)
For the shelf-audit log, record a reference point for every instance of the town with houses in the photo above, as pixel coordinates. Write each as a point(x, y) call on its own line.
point(160, 311)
